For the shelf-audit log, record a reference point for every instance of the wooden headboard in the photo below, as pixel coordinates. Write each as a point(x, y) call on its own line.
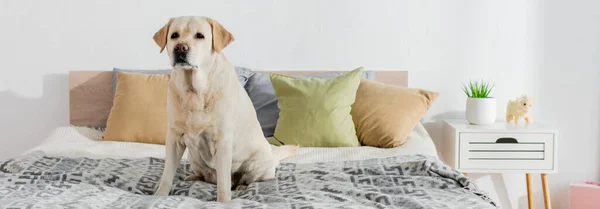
point(91, 92)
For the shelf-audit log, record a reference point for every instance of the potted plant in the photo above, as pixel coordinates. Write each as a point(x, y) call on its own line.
point(480, 108)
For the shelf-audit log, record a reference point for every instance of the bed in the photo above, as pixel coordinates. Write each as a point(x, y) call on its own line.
point(74, 168)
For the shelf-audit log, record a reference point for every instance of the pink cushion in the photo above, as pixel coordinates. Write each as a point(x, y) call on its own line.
point(584, 196)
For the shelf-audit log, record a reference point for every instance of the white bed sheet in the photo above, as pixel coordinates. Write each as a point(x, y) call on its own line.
point(75, 141)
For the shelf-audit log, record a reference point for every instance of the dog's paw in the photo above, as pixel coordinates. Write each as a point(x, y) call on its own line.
point(223, 196)
point(193, 178)
point(241, 187)
point(162, 191)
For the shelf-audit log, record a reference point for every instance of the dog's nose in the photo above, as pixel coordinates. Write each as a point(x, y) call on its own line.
point(181, 48)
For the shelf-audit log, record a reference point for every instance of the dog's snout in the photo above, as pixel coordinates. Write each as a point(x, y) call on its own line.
point(181, 48)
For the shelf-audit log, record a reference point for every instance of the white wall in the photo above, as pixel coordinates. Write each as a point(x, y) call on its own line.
point(522, 45)
point(568, 85)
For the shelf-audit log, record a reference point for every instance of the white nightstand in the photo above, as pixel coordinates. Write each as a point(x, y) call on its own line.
point(500, 148)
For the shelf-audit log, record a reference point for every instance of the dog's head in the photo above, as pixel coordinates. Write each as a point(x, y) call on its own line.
point(191, 41)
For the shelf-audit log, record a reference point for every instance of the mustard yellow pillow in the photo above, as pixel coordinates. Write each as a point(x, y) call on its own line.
point(139, 111)
point(384, 115)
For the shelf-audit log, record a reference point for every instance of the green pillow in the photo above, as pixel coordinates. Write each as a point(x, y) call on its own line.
point(315, 112)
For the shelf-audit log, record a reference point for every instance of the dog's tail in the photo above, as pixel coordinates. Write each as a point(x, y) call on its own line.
point(284, 151)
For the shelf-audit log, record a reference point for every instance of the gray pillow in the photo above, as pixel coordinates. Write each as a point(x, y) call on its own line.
point(263, 97)
point(242, 74)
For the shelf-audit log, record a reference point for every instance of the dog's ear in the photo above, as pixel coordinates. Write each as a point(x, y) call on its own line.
point(221, 37)
point(160, 37)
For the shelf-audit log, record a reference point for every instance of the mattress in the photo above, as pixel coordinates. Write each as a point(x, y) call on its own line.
point(73, 168)
point(74, 141)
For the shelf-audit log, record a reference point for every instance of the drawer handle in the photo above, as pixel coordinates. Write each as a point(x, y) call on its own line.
point(507, 140)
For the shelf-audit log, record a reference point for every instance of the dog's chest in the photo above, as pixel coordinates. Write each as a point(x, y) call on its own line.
point(193, 113)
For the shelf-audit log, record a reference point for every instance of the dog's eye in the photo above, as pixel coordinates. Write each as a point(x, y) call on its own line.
point(199, 36)
point(175, 35)
point(524, 104)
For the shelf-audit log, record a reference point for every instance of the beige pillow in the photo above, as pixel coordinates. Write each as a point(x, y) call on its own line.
point(384, 115)
point(139, 111)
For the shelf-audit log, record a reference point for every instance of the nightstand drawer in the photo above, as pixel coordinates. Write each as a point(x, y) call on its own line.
point(506, 151)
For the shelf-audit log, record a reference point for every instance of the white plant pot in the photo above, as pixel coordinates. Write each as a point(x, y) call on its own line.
point(481, 111)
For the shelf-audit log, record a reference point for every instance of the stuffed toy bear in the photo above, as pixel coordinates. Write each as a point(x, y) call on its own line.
point(519, 108)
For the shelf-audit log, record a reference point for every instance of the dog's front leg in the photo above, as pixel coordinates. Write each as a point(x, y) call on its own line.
point(175, 149)
point(223, 166)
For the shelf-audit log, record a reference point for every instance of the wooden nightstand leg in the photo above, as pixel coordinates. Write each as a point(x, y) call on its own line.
point(529, 192)
point(546, 192)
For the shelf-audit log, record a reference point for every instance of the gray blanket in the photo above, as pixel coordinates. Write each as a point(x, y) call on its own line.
point(39, 181)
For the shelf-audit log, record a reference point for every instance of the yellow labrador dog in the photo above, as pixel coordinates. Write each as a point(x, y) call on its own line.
point(210, 113)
